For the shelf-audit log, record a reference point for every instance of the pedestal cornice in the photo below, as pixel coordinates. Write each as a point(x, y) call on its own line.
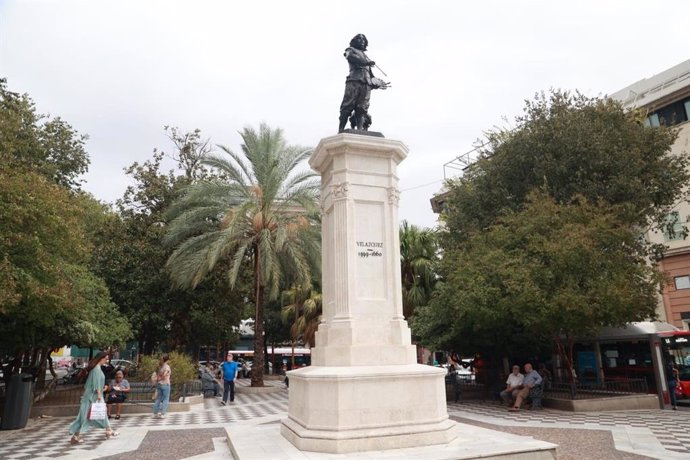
point(343, 143)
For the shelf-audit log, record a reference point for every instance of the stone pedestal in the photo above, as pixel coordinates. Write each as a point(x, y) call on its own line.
point(364, 390)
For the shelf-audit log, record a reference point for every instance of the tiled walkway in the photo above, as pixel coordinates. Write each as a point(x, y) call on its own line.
point(659, 433)
point(655, 433)
point(48, 437)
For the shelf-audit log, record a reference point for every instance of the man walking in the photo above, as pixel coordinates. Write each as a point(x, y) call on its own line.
point(229, 371)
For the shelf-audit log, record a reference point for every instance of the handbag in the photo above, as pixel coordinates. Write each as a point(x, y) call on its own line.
point(114, 398)
point(678, 390)
point(154, 378)
point(98, 411)
point(155, 395)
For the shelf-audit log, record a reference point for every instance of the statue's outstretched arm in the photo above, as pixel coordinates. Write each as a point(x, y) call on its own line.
point(357, 58)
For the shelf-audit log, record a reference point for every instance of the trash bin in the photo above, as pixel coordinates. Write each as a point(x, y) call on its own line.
point(18, 400)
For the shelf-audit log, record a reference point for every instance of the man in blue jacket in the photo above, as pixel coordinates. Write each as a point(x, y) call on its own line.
point(229, 371)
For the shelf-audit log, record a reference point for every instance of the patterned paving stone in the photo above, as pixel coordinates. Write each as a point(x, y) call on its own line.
point(669, 427)
point(48, 437)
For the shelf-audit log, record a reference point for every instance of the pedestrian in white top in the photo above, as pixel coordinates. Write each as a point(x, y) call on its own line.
point(513, 385)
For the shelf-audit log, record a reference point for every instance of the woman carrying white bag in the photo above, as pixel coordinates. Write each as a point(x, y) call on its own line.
point(92, 408)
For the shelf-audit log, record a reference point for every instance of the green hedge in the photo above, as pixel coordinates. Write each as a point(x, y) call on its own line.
point(182, 367)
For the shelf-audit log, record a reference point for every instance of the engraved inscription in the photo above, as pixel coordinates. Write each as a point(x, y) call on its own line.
point(369, 249)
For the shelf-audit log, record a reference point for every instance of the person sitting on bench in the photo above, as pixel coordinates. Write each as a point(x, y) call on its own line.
point(513, 385)
point(118, 390)
point(532, 378)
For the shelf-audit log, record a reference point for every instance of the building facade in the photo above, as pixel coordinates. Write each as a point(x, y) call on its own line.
point(666, 99)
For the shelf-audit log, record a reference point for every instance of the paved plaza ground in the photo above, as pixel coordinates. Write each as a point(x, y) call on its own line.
point(200, 433)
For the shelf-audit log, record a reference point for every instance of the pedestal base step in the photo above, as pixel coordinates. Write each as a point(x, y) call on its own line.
point(264, 442)
point(346, 441)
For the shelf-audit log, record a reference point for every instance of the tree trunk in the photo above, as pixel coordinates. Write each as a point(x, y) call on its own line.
point(51, 368)
point(258, 365)
point(41, 369)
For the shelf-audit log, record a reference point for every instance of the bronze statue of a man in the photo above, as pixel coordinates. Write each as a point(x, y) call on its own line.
point(358, 85)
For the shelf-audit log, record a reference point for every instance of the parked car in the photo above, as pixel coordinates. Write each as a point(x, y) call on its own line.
point(464, 372)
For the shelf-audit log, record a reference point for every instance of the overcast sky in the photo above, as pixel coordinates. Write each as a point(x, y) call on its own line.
point(121, 70)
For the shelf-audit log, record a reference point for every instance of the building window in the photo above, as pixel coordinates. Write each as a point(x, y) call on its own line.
point(673, 228)
point(652, 121)
point(682, 282)
point(669, 115)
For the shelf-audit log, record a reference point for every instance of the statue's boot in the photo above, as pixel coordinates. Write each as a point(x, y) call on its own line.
point(360, 120)
point(342, 121)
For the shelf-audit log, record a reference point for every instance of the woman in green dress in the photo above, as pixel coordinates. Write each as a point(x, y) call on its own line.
point(93, 391)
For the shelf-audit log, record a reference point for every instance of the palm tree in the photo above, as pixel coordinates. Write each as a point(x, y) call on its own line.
point(418, 257)
point(303, 305)
point(258, 211)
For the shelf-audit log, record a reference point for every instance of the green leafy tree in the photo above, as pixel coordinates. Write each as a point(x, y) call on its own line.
point(569, 145)
point(547, 274)
point(35, 142)
point(418, 260)
point(542, 235)
point(52, 297)
point(48, 295)
point(260, 212)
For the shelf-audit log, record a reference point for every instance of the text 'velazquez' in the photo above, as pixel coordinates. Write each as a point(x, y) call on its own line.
point(369, 244)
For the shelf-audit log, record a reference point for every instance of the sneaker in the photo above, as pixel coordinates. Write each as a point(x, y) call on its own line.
point(222, 403)
point(161, 415)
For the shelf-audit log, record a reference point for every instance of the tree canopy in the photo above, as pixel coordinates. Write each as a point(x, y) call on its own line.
point(49, 297)
point(542, 237)
point(569, 145)
point(39, 143)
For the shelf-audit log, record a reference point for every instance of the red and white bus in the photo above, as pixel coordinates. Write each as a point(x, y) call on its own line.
point(677, 344)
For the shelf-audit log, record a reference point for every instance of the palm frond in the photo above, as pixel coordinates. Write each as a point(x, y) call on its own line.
point(224, 166)
point(246, 171)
